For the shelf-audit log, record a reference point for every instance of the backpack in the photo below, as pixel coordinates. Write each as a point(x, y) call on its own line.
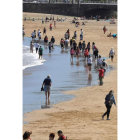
point(103, 63)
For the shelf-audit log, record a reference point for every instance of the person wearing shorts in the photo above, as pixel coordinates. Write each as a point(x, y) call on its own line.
point(71, 53)
point(111, 54)
point(47, 86)
point(40, 52)
point(89, 60)
point(86, 53)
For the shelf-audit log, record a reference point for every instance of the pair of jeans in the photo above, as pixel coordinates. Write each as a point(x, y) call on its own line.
point(108, 110)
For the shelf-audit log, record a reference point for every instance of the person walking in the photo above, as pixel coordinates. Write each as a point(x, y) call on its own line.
point(31, 47)
point(104, 29)
point(99, 61)
point(104, 65)
point(71, 53)
point(53, 41)
point(88, 46)
point(111, 54)
point(89, 60)
point(50, 27)
point(47, 86)
point(83, 46)
point(109, 100)
point(40, 52)
point(44, 31)
point(101, 75)
point(36, 46)
point(95, 53)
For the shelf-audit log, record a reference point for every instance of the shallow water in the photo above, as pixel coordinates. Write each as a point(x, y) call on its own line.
point(65, 75)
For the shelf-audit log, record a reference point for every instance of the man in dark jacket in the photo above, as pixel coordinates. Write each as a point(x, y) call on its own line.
point(109, 100)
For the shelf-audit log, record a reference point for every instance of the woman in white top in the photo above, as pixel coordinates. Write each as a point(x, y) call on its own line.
point(111, 54)
point(99, 62)
point(89, 61)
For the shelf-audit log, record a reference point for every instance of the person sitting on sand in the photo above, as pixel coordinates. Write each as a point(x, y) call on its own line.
point(26, 135)
point(51, 136)
point(61, 136)
point(83, 23)
point(109, 100)
point(109, 35)
point(47, 86)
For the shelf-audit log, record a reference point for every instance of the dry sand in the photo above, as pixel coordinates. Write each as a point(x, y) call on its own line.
point(80, 118)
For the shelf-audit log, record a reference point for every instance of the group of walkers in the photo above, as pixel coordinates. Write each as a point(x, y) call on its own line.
point(27, 135)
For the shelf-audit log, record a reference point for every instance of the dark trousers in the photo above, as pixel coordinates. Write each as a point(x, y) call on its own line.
point(108, 110)
point(36, 50)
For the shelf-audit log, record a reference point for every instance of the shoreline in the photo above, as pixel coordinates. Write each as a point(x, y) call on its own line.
point(79, 118)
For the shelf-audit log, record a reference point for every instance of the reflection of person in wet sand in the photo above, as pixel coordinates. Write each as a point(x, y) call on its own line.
point(47, 102)
point(47, 86)
point(89, 79)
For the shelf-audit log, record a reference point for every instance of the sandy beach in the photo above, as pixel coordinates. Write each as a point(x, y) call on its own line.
point(79, 118)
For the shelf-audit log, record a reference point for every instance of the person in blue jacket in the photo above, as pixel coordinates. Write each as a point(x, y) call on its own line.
point(109, 100)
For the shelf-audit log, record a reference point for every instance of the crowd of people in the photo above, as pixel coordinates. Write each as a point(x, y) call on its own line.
point(77, 49)
point(27, 135)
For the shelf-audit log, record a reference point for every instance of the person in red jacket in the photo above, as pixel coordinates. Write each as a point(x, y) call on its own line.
point(101, 75)
point(50, 27)
point(86, 53)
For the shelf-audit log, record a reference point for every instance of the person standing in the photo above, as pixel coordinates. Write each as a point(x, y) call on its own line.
point(101, 75)
point(99, 62)
point(71, 53)
point(42, 20)
point(109, 100)
point(77, 53)
point(86, 53)
point(75, 35)
point(61, 136)
point(50, 27)
point(88, 46)
point(44, 31)
point(111, 54)
point(104, 29)
point(53, 41)
point(83, 46)
point(40, 52)
point(89, 60)
point(36, 46)
point(55, 24)
point(31, 47)
point(47, 86)
point(104, 65)
point(39, 36)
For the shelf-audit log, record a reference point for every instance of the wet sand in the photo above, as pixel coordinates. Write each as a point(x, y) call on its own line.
point(79, 118)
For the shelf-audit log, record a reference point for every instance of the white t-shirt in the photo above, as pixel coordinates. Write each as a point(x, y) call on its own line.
point(39, 34)
point(81, 32)
point(90, 60)
point(36, 45)
point(100, 60)
point(112, 52)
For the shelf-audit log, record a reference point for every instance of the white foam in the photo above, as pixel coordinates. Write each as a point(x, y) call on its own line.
point(30, 59)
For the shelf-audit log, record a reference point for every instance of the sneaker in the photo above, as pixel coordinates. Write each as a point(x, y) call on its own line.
point(108, 118)
point(102, 117)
